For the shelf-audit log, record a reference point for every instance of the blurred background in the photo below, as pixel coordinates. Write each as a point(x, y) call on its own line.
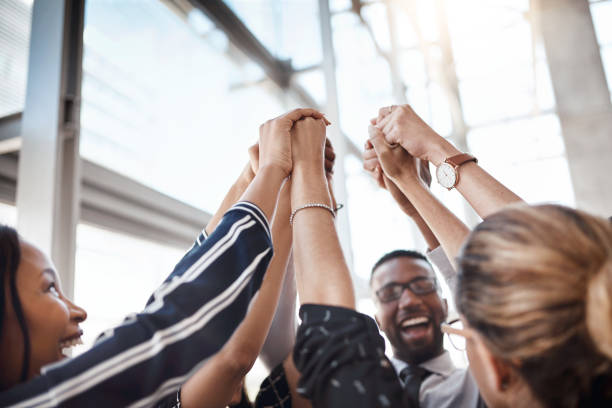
point(124, 122)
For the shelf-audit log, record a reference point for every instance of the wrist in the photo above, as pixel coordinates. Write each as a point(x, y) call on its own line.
point(440, 151)
point(272, 173)
point(309, 187)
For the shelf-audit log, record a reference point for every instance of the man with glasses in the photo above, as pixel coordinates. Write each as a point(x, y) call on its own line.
point(410, 311)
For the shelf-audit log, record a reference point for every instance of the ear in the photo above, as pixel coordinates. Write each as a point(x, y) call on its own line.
point(500, 372)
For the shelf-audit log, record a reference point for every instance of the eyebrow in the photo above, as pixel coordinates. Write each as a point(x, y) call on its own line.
point(51, 272)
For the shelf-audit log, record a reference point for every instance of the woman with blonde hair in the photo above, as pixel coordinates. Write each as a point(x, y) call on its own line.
point(534, 291)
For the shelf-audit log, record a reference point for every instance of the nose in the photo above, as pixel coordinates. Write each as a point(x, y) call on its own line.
point(77, 314)
point(407, 298)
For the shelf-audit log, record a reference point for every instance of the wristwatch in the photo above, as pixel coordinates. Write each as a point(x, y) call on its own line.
point(447, 173)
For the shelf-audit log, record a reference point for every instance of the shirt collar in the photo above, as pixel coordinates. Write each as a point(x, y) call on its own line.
point(441, 365)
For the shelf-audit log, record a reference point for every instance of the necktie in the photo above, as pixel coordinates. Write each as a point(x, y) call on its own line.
point(412, 377)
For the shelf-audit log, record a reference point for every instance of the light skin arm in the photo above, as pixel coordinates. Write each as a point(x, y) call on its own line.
point(321, 271)
point(236, 190)
point(400, 124)
point(219, 379)
point(372, 166)
point(400, 167)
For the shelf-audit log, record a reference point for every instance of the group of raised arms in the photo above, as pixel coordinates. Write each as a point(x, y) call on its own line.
point(532, 286)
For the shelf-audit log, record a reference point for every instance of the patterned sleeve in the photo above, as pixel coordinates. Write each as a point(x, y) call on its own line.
point(188, 319)
point(340, 355)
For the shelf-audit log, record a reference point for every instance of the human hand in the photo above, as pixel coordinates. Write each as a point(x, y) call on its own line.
point(401, 125)
point(396, 163)
point(330, 160)
point(275, 138)
point(372, 166)
point(309, 145)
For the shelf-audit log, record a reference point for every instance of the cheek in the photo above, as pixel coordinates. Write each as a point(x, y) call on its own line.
point(479, 371)
point(386, 317)
point(48, 321)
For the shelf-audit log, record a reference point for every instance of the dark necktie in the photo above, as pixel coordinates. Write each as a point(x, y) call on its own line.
point(412, 377)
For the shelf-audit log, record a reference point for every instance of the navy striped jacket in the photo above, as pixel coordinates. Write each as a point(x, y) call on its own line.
point(188, 319)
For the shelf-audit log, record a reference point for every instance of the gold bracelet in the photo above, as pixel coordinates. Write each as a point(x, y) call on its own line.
point(311, 205)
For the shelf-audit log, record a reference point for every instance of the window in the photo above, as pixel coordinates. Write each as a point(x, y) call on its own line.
point(15, 20)
point(167, 101)
point(114, 276)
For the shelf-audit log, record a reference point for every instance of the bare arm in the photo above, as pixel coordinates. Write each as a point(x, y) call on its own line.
point(216, 382)
point(400, 124)
point(237, 189)
point(372, 166)
point(321, 271)
point(400, 167)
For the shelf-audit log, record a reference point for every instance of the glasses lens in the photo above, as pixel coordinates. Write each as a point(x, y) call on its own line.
point(390, 292)
point(456, 340)
point(422, 286)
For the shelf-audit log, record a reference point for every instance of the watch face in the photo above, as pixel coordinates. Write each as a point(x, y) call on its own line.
point(446, 175)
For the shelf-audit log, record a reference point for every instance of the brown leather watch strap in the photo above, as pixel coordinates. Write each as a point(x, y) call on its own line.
point(460, 159)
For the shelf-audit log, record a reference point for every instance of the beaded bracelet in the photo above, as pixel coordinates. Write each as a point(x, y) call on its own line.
point(311, 205)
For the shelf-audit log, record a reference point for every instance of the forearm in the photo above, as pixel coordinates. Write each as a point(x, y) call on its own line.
point(449, 230)
point(232, 196)
point(263, 190)
point(321, 271)
point(214, 384)
point(426, 232)
point(281, 336)
point(484, 193)
point(188, 321)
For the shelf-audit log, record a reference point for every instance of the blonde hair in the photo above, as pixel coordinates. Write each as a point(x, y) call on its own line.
point(536, 283)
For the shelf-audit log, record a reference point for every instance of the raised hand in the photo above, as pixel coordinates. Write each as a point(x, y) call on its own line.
point(308, 144)
point(373, 167)
point(275, 138)
point(401, 125)
point(395, 162)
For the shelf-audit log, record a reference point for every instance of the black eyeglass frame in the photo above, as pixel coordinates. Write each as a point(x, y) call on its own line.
point(409, 285)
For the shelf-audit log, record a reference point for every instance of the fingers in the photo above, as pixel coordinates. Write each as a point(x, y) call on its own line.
point(385, 111)
point(373, 121)
point(329, 167)
point(377, 139)
point(379, 176)
point(371, 164)
point(369, 153)
point(297, 114)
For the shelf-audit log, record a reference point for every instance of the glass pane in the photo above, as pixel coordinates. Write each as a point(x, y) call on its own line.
point(114, 276)
point(274, 23)
point(15, 21)
point(169, 103)
point(391, 230)
point(537, 173)
point(363, 78)
point(602, 16)
point(8, 215)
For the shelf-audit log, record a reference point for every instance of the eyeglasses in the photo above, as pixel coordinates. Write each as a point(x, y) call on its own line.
point(418, 286)
point(457, 334)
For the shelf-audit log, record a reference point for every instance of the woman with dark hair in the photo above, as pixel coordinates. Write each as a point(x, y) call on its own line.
point(189, 318)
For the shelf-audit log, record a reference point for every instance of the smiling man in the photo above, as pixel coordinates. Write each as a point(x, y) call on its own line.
point(409, 310)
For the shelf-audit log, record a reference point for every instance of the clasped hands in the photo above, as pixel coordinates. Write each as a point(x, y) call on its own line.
point(399, 149)
point(295, 144)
